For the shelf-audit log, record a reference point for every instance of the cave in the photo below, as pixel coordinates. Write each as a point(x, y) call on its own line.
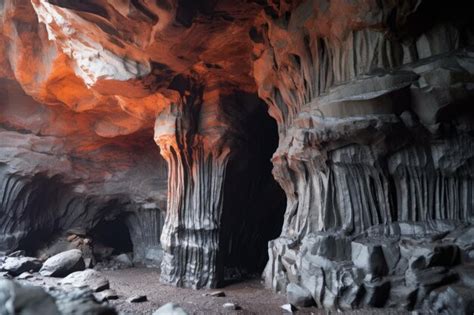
point(113, 234)
point(215, 155)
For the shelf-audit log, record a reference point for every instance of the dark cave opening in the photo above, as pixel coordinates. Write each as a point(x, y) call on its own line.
point(111, 237)
point(254, 203)
point(37, 200)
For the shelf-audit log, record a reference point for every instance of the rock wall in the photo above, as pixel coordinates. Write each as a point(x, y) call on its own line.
point(372, 101)
point(375, 127)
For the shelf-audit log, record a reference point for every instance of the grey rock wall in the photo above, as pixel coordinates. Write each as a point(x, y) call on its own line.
point(376, 127)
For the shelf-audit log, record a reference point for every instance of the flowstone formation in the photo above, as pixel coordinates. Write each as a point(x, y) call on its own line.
point(140, 129)
point(86, 88)
point(373, 103)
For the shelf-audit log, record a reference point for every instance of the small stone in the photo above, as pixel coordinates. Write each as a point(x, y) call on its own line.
point(288, 308)
point(230, 306)
point(170, 309)
point(215, 294)
point(106, 295)
point(137, 299)
point(298, 296)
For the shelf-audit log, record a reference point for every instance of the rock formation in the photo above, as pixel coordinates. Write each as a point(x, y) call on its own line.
point(82, 87)
point(375, 132)
point(373, 143)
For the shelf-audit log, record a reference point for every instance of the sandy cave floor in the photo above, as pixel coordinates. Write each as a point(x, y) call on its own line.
point(250, 295)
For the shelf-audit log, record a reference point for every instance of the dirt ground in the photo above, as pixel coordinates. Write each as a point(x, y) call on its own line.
point(250, 295)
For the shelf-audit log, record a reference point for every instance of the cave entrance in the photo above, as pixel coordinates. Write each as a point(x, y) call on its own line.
point(111, 237)
point(254, 203)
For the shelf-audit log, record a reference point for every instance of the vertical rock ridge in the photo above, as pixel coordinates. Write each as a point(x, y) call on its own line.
point(374, 129)
point(145, 226)
point(191, 139)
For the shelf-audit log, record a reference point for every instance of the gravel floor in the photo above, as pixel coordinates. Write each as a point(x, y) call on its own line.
point(251, 296)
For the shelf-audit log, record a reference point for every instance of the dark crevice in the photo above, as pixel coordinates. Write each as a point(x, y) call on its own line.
point(254, 203)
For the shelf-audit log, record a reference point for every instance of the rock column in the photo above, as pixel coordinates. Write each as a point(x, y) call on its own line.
point(192, 140)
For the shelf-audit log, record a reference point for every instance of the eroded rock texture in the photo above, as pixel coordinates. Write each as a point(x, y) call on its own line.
point(373, 102)
point(148, 119)
point(84, 84)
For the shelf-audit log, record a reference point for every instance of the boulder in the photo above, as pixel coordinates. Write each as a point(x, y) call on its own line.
point(298, 296)
point(79, 301)
point(17, 265)
point(90, 278)
point(62, 264)
point(170, 309)
point(25, 300)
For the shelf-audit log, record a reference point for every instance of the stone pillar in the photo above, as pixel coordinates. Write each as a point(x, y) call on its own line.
point(192, 141)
